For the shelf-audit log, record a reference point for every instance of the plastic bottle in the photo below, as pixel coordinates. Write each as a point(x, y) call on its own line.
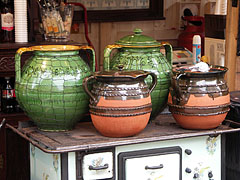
point(221, 7)
point(7, 97)
point(17, 108)
point(196, 49)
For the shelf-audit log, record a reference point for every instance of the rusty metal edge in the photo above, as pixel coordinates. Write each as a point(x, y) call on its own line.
point(126, 141)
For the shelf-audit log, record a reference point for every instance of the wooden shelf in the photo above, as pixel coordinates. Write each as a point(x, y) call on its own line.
point(13, 118)
point(190, 2)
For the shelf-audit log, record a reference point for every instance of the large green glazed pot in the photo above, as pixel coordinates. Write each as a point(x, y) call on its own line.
point(140, 52)
point(49, 86)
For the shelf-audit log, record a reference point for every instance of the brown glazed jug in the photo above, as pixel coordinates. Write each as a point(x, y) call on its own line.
point(120, 101)
point(199, 100)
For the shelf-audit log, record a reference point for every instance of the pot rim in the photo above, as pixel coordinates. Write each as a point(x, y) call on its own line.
point(56, 48)
point(134, 74)
point(214, 70)
point(235, 97)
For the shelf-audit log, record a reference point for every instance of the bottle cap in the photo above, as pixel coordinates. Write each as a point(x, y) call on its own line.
point(205, 59)
point(196, 39)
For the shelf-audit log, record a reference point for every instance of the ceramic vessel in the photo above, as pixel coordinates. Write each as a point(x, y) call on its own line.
point(140, 52)
point(49, 86)
point(234, 113)
point(199, 100)
point(120, 103)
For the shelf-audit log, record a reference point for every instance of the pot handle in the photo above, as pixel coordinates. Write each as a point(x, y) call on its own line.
point(154, 82)
point(177, 88)
point(94, 58)
point(85, 87)
point(18, 62)
point(168, 50)
point(107, 53)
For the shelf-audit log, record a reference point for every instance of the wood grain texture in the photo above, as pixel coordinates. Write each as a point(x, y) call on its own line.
point(237, 80)
point(231, 44)
point(106, 33)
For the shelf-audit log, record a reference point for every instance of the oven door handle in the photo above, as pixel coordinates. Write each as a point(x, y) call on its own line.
point(105, 166)
point(154, 167)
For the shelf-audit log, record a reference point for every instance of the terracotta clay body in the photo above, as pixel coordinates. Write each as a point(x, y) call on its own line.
point(199, 100)
point(120, 103)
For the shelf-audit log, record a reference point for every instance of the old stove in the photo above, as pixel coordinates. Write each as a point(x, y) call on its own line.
point(163, 151)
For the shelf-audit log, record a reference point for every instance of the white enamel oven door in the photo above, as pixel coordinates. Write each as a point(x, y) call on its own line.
point(152, 164)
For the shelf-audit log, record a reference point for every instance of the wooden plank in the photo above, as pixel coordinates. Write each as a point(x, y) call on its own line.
point(93, 33)
point(237, 81)
point(107, 35)
point(238, 64)
point(237, 88)
point(231, 43)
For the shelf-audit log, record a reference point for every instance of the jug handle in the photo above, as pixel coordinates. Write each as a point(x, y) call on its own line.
point(178, 90)
point(93, 52)
point(85, 87)
point(154, 82)
point(18, 61)
point(107, 53)
point(168, 50)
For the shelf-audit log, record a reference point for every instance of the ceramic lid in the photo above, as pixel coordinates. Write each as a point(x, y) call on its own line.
point(214, 70)
point(137, 39)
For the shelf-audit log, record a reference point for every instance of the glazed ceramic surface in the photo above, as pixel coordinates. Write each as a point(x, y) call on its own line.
point(49, 86)
point(199, 100)
point(120, 103)
point(140, 52)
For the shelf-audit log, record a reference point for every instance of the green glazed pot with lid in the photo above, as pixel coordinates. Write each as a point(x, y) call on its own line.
point(141, 52)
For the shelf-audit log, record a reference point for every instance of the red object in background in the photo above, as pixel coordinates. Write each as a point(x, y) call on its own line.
point(195, 26)
point(7, 21)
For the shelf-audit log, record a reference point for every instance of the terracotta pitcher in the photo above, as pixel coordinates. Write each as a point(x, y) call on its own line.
point(120, 103)
point(140, 52)
point(199, 100)
point(49, 86)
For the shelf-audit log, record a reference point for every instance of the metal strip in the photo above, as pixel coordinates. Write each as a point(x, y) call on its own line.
point(79, 158)
point(223, 157)
point(124, 141)
point(64, 166)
